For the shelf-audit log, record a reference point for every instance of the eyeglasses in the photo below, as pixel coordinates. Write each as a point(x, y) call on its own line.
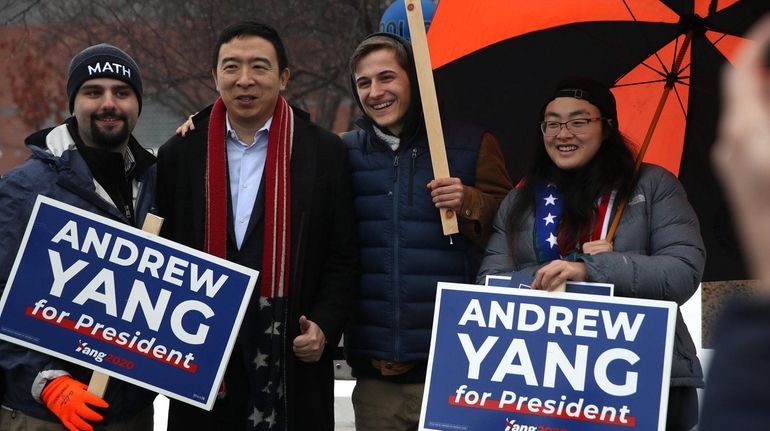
point(576, 126)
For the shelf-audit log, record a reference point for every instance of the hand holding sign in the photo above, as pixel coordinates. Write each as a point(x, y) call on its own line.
point(71, 402)
point(447, 193)
point(554, 274)
point(309, 346)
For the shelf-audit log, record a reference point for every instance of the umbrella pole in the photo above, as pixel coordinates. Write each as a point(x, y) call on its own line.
point(670, 81)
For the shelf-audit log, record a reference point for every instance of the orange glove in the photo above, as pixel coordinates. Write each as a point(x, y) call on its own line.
point(68, 399)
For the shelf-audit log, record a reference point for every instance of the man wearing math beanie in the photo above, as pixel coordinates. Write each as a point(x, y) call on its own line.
point(93, 162)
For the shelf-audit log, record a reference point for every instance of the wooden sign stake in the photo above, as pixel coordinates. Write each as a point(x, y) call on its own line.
point(98, 383)
point(429, 104)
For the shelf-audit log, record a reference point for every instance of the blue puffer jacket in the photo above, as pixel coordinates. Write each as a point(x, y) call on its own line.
point(61, 173)
point(402, 247)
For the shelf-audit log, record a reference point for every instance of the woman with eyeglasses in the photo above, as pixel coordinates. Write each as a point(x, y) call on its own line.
point(554, 224)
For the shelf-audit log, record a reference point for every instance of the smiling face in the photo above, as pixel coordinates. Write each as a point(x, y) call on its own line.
point(567, 150)
point(106, 111)
point(249, 80)
point(383, 89)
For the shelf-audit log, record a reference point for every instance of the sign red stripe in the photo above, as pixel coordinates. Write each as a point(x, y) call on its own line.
point(69, 324)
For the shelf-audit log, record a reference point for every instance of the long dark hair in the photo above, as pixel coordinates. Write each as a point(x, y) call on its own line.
point(611, 168)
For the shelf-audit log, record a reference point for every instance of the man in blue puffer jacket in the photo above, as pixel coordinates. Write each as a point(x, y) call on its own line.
point(93, 162)
point(402, 247)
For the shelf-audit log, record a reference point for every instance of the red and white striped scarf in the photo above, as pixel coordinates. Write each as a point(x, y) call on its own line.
point(276, 249)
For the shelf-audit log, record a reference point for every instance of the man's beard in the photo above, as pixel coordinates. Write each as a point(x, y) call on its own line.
point(109, 139)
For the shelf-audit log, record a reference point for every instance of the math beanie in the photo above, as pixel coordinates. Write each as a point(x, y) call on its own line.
point(103, 61)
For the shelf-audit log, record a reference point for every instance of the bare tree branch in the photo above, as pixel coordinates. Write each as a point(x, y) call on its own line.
point(172, 41)
point(16, 11)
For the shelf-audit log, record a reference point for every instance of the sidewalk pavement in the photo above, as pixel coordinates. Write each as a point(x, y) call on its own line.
point(343, 408)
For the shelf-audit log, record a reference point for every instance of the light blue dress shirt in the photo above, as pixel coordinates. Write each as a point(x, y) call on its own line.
point(245, 163)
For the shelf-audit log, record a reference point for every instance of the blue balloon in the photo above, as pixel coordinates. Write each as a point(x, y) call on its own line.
point(394, 18)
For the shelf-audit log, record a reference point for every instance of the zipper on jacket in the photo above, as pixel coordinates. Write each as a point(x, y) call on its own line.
point(396, 270)
point(395, 168)
point(411, 176)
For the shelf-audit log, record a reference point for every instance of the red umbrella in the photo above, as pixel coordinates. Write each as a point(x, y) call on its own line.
point(495, 61)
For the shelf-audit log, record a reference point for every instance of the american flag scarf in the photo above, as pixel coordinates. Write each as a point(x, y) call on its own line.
point(548, 211)
point(264, 347)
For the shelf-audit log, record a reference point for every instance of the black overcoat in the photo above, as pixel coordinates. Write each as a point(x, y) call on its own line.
point(324, 264)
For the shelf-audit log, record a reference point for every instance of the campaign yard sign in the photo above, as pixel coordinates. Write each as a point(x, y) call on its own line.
point(522, 360)
point(124, 302)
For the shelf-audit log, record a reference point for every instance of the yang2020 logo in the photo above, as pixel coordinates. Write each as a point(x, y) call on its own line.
point(99, 356)
point(85, 350)
point(511, 425)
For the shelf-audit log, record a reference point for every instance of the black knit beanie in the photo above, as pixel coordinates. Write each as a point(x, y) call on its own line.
point(103, 61)
point(592, 91)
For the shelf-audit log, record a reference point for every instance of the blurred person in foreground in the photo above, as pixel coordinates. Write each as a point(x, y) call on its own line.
point(737, 391)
